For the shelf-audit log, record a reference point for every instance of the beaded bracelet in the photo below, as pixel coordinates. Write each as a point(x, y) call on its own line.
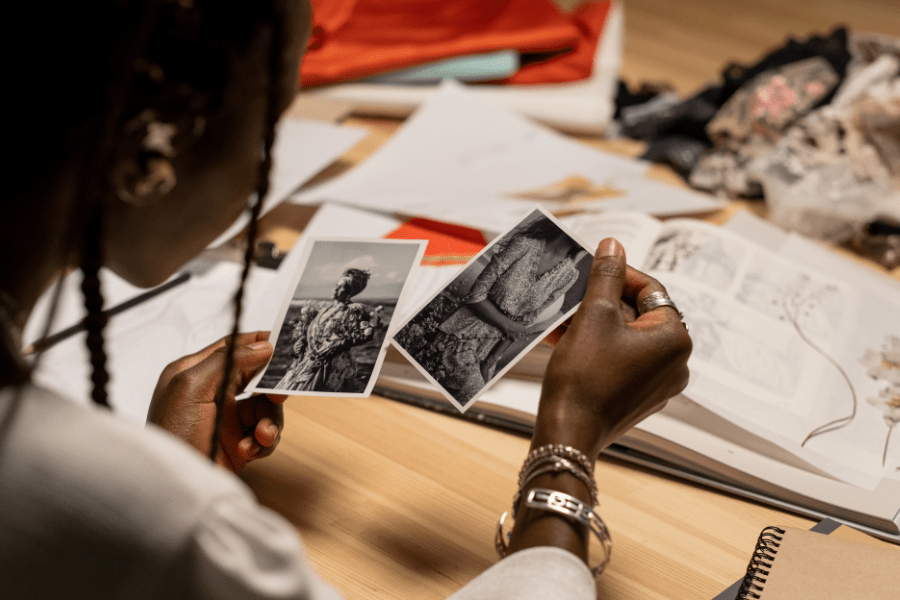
point(569, 507)
point(558, 450)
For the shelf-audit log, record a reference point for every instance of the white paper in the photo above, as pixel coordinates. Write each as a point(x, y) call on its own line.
point(141, 341)
point(464, 160)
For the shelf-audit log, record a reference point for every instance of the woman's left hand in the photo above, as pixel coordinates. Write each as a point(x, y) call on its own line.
point(184, 402)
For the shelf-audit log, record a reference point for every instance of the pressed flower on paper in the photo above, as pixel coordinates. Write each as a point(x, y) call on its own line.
point(888, 402)
point(884, 366)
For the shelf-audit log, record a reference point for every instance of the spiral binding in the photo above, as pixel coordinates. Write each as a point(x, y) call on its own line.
point(760, 563)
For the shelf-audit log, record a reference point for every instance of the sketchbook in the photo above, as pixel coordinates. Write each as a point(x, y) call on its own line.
point(795, 370)
point(794, 564)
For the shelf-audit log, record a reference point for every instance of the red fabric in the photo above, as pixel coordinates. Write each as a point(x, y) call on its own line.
point(448, 244)
point(358, 38)
point(577, 64)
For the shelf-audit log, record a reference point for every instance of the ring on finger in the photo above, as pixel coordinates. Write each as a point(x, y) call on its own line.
point(655, 300)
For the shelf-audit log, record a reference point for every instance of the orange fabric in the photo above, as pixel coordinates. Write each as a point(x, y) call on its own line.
point(577, 64)
point(357, 38)
point(447, 244)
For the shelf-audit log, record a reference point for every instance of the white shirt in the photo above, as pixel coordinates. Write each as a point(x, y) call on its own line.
point(95, 507)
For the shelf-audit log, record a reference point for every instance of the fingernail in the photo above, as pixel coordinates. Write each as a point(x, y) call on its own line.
point(609, 247)
point(260, 346)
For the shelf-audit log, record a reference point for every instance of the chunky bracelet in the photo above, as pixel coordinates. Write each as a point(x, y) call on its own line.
point(557, 450)
point(556, 465)
point(569, 507)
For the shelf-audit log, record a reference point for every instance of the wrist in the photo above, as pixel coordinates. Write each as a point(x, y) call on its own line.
point(562, 421)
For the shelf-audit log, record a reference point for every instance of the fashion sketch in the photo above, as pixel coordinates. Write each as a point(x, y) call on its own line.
point(500, 304)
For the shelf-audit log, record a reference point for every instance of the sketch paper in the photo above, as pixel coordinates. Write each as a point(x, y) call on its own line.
point(529, 280)
point(464, 160)
point(141, 341)
point(780, 347)
point(332, 330)
point(302, 148)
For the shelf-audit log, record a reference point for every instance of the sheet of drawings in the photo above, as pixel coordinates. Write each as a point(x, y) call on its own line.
point(785, 351)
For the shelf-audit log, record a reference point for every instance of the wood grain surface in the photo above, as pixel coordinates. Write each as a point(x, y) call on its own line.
point(398, 502)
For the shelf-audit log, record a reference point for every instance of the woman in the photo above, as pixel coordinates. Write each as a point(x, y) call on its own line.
point(533, 269)
point(167, 104)
point(323, 335)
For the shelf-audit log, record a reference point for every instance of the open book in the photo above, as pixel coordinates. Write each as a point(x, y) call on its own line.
point(795, 374)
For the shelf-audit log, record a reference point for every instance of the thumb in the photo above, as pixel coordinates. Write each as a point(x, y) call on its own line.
point(605, 284)
point(248, 359)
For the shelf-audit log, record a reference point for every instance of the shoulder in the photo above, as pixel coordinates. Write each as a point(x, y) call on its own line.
point(84, 493)
point(132, 477)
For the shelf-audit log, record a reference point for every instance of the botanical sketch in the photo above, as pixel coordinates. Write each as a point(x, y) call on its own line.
point(788, 294)
point(744, 349)
point(698, 254)
point(812, 307)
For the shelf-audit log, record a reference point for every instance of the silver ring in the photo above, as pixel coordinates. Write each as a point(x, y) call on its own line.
point(655, 300)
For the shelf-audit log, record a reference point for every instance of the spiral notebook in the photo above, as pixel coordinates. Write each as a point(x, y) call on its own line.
point(795, 564)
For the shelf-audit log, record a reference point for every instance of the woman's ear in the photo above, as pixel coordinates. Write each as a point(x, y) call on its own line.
point(142, 181)
point(144, 173)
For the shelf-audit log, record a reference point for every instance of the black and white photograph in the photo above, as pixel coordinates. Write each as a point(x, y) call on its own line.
point(331, 333)
point(503, 303)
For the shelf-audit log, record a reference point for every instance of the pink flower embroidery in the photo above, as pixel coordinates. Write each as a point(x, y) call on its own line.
point(773, 98)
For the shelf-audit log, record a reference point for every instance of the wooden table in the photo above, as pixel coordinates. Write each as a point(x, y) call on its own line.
point(398, 502)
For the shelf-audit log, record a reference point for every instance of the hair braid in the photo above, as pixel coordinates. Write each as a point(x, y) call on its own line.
point(91, 261)
point(91, 197)
point(262, 188)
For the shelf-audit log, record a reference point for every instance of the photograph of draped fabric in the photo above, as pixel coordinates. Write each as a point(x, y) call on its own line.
point(331, 334)
point(503, 303)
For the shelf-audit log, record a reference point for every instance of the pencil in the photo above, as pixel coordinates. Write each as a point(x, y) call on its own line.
point(51, 340)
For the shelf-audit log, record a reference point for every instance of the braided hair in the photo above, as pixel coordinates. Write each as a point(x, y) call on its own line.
point(262, 188)
point(169, 57)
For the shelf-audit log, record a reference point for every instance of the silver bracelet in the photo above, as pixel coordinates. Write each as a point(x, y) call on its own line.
point(558, 450)
point(556, 465)
point(567, 506)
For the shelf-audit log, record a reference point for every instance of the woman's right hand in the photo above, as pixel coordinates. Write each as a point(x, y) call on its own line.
point(609, 372)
